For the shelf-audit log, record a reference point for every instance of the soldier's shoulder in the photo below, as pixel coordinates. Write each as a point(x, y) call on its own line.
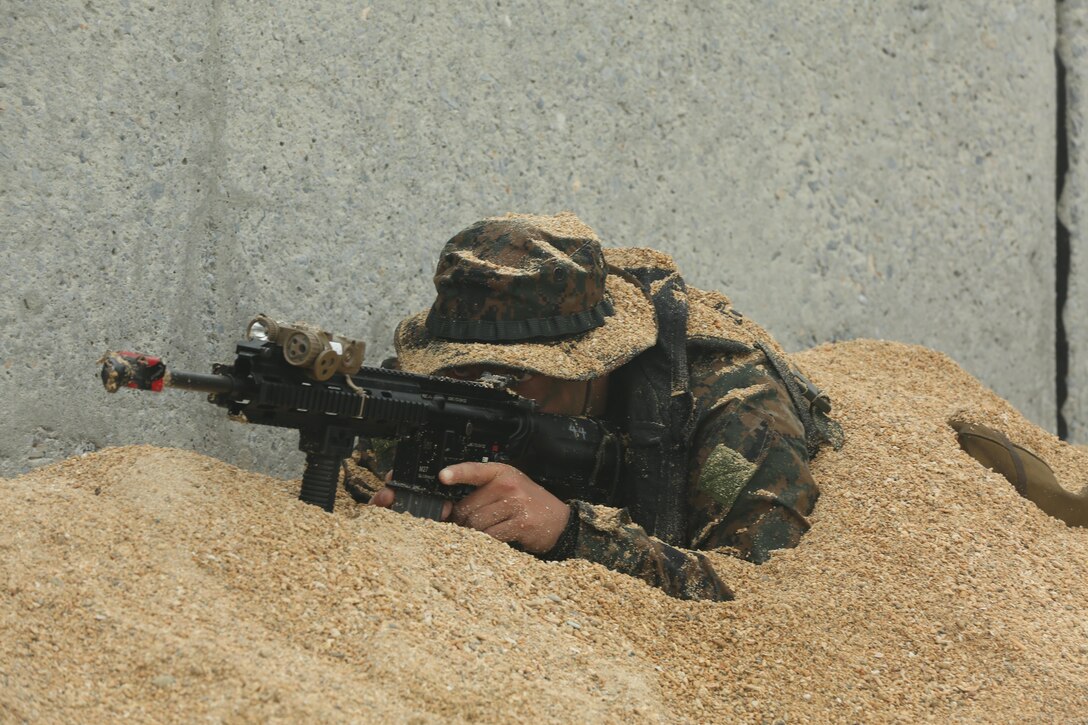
point(713, 323)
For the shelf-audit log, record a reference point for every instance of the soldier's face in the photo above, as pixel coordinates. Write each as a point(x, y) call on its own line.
point(562, 397)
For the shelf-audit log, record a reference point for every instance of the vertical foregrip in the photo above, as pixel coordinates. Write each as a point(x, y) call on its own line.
point(319, 480)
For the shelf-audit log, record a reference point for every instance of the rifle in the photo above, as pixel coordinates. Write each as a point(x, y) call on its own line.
point(301, 377)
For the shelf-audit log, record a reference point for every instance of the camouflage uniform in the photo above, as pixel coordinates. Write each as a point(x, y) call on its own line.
point(749, 486)
point(539, 293)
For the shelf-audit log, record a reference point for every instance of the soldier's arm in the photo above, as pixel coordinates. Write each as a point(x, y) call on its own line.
point(599, 534)
point(610, 538)
point(750, 489)
point(750, 486)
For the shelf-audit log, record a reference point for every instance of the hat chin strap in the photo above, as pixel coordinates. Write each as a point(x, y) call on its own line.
point(590, 401)
point(586, 397)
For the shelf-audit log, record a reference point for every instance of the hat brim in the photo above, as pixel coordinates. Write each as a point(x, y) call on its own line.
point(631, 329)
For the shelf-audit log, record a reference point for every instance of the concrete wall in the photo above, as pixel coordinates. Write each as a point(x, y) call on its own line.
point(169, 169)
point(1073, 209)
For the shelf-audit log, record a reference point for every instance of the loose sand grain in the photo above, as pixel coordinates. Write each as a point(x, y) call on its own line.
point(161, 585)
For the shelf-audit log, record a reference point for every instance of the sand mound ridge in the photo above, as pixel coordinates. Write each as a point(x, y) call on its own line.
point(163, 585)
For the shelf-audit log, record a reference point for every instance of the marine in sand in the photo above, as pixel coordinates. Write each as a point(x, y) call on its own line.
point(719, 427)
point(160, 585)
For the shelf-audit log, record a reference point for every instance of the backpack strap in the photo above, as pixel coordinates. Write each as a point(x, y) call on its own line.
point(658, 408)
point(659, 413)
point(812, 404)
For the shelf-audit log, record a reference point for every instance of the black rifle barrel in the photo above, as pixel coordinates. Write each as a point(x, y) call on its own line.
point(202, 382)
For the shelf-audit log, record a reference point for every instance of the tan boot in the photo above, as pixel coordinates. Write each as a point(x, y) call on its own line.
point(1029, 474)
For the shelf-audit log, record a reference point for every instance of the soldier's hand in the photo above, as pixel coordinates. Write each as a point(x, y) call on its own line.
point(506, 504)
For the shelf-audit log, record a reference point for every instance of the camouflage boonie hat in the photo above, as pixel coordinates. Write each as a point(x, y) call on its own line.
point(531, 293)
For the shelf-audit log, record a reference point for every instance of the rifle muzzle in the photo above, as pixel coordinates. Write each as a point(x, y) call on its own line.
point(148, 372)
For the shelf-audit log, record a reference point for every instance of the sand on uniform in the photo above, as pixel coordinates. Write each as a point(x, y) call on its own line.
point(163, 585)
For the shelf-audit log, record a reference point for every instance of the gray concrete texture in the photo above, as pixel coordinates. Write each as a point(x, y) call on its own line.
point(840, 169)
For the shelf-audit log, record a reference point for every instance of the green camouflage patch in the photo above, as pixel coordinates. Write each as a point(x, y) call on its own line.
point(725, 474)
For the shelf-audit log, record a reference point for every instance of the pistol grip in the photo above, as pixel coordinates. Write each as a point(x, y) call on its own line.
point(420, 505)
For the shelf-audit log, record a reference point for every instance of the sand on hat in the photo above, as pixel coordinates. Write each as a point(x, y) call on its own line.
point(162, 585)
point(563, 224)
point(632, 329)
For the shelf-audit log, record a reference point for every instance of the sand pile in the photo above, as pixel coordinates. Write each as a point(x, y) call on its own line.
point(162, 585)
